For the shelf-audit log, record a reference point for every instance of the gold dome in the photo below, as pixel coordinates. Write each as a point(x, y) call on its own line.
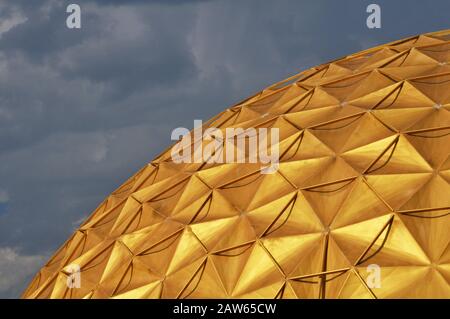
point(362, 185)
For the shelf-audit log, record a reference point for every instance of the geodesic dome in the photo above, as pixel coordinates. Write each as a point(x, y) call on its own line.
point(362, 190)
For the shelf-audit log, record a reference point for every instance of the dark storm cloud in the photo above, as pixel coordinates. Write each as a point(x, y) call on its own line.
point(88, 75)
point(81, 110)
point(144, 49)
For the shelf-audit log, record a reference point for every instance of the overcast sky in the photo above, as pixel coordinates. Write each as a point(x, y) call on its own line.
point(82, 110)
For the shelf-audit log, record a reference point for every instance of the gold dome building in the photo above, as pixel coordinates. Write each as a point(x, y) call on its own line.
point(362, 190)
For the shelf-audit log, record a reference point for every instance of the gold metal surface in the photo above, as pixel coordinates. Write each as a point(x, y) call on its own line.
point(363, 180)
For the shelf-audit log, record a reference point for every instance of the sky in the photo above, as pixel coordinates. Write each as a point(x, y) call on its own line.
point(81, 110)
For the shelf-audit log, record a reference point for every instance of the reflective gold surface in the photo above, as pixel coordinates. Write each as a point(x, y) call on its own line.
point(363, 180)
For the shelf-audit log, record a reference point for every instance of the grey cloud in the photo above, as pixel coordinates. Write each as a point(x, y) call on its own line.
point(143, 49)
point(16, 270)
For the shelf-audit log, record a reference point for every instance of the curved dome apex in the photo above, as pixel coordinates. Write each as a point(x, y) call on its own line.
point(358, 206)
